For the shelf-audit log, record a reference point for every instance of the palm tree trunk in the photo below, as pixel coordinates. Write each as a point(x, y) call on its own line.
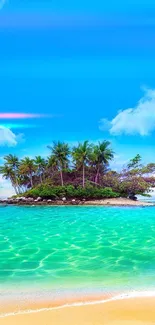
point(83, 175)
point(31, 180)
point(97, 176)
point(41, 180)
point(15, 188)
point(61, 176)
point(13, 185)
point(19, 190)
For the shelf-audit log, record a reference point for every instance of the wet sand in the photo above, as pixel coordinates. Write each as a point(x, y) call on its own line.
point(133, 311)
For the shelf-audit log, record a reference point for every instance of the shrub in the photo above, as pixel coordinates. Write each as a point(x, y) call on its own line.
point(57, 192)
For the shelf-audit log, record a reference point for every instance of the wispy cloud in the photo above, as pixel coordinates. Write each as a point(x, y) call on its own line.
point(13, 118)
point(21, 116)
point(7, 137)
point(19, 126)
point(131, 121)
point(118, 162)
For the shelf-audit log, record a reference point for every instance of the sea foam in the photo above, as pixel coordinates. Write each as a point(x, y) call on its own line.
point(130, 295)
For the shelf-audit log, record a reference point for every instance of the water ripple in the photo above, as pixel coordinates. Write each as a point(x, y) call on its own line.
point(108, 246)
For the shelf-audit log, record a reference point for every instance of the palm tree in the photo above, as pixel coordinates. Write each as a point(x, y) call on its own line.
point(100, 157)
point(52, 165)
point(23, 181)
point(60, 157)
point(8, 173)
point(40, 165)
point(12, 162)
point(81, 155)
point(28, 168)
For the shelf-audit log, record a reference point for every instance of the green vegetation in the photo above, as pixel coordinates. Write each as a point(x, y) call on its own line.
point(80, 172)
point(70, 192)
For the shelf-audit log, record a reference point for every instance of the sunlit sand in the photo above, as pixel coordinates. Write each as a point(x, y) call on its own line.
point(134, 311)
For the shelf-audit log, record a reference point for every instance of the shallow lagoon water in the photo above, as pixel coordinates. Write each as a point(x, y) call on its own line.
point(100, 247)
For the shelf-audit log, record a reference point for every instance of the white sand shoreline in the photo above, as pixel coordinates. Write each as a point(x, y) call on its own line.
point(124, 296)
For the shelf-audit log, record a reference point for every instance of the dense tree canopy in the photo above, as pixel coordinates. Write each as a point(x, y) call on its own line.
point(83, 166)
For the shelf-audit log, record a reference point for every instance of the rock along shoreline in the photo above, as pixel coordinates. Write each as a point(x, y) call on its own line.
point(48, 202)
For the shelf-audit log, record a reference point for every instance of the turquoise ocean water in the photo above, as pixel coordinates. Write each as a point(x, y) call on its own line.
point(100, 247)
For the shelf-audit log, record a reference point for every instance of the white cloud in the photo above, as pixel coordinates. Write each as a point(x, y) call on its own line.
point(131, 121)
point(6, 189)
point(7, 137)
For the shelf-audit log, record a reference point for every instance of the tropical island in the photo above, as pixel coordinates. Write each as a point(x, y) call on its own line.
point(78, 175)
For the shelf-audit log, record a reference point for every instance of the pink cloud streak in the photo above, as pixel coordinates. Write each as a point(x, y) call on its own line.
point(19, 116)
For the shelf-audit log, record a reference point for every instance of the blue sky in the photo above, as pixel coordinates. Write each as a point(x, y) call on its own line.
point(87, 66)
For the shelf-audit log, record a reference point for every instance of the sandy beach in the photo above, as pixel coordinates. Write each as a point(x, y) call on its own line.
point(118, 202)
point(134, 311)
